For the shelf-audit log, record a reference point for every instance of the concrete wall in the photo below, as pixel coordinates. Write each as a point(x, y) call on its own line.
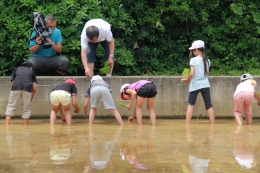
point(171, 100)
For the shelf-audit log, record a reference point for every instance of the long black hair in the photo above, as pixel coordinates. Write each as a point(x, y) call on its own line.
point(205, 61)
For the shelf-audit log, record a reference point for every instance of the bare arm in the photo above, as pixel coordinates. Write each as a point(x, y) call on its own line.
point(57, 47)
point(84, 57)
point(111, 45)
point(84, 61)
point(133, 97)
point(256, 94)
point(33, 90)
point(86, 106)
point(35, 47)
point(192, 71)
point(74, 104)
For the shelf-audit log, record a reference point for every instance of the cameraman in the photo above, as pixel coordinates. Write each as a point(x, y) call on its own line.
point(47, 58)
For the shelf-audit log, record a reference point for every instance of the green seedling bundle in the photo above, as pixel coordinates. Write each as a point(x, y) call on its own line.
point(185, 73)
point(122, 104)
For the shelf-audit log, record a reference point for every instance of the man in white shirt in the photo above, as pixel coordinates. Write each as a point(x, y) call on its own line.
point(96, 31)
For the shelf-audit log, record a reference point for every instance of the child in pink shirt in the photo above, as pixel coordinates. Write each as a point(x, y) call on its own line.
point(243, 97)
point(140, 91)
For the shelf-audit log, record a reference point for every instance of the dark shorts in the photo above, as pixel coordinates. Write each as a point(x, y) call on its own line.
point(91, 51)
point(147, 91)
point(205, 92)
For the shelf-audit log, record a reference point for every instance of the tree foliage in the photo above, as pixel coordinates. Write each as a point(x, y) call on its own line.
point(151, 37)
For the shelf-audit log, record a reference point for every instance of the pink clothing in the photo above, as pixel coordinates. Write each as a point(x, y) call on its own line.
point(245, 86)
point(243, 100)
point(137, 85)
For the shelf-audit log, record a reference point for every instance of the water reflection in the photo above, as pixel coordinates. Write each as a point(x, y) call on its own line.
point(20, 146)
point(100, 145)
point(243, 148)
point(169, 146)
point(63, 143)
point(138, 151)
point(199, 146)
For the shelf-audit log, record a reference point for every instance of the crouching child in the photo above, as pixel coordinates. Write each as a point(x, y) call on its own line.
point(100, 89)
point(62, 95)
point(24, 87)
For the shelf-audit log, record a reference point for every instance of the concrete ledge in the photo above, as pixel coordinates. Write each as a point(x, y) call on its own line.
point(171, 100)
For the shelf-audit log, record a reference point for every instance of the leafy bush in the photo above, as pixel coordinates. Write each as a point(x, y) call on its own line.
point(151, 37)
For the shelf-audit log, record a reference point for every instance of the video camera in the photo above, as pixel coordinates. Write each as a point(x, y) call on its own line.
point(37, 22)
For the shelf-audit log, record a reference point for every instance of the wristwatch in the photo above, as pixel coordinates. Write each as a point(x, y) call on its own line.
point(111, 56)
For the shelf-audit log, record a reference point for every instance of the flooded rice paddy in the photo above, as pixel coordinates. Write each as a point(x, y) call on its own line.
point(169, 147)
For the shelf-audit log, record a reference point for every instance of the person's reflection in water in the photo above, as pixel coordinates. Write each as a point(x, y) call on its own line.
point(62, 143)
point(101, 145)
point(199, 149)
point(20, 145)
point(139, 150)
point(243, 148)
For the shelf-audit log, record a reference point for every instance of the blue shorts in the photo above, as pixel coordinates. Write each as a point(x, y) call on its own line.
point(91, 51)
point(205, 92)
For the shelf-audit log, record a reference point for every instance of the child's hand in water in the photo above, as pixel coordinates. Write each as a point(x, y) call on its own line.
point(76, 110)
point(86, 115)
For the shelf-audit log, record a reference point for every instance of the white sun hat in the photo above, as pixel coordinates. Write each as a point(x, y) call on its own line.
point(245, 77)
point(197, 44)
point(96, 77)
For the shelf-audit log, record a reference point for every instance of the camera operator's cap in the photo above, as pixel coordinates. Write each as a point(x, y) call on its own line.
point(96, 77)
point(197, 44)
point(70, 81)
point(245, 77)
point(122, 91)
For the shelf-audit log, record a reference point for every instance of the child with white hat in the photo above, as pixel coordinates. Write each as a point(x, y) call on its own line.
point(100, 89)
point(198, 79)
point(243, 97)
point(140, 91)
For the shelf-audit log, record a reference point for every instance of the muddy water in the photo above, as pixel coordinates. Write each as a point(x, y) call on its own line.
point(170, 147)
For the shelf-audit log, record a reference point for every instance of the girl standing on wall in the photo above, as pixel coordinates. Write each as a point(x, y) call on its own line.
point(199, 82)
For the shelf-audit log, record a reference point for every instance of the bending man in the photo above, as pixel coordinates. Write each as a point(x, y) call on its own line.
point(96, 31)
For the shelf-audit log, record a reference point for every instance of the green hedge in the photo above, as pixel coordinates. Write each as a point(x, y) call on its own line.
point(151, 37)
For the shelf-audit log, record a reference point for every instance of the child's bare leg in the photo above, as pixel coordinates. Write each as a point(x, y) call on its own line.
point(189, 113)
point(8, 119)
point(67, 113)
point(53, 115)
point(211, 115)
point(92, 114)
point(238, 119)
point(25, 121)
point(61, 113)
point(150, 103)
point(117, 116)
point(139, 105)
point(248, 118)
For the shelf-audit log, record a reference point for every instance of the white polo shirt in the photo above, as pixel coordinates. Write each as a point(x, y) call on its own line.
point(104, 31)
